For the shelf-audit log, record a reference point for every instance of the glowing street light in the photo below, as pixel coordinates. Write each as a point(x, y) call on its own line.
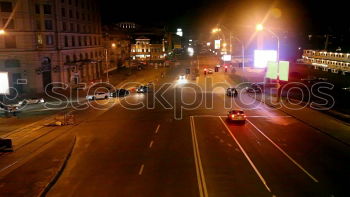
point(113, 45)
point(259, 27)
point(2, 32)
point(215, 30)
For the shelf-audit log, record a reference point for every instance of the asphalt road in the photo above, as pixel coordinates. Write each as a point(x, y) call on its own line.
point(133, 150)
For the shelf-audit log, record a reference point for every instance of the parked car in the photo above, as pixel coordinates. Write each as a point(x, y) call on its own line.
point(9, 108)
point(31, 101)
point(98, 95)
point(236, 115)
point(231, 92)
point(120, 93)
point(142, 89)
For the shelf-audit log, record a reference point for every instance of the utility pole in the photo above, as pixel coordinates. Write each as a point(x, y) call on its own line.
point(106, 59)
point(326, 43)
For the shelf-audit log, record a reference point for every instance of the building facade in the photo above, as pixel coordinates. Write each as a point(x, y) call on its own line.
point(328, 61)
point(148, 50)
point(50, 41)
point(117, 43)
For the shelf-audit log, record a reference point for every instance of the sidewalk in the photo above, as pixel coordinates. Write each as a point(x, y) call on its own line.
point(320, 120)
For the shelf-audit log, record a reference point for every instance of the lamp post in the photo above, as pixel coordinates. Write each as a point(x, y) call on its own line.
point(260, 27)
point(236, 38)
point(113, 46)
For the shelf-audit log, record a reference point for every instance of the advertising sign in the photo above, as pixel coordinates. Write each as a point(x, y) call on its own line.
point(4, 83)
point(272, 69)
point(226, 57)
point(284, 70)
point(217, 44)
point(261, 57)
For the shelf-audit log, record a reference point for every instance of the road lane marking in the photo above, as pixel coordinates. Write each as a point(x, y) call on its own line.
point(246, 156)
point(157, 129)
point(269, 116)
point(199, 169)
point(214, 116)
point(284, 153)
point(150, 144)
point(141, 169)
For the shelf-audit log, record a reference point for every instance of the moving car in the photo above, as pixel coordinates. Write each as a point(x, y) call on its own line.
point(210, 71)
point(98, 95)
point(255, 88)
point(142, 89)
point(236, 115)
point(231, 92)
point(120, 93)
point(182, 77)
point(31, 101)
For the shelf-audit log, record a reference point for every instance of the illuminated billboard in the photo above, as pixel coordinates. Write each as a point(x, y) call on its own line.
point(4, 83)
point(272, 70)
point(261, 57)
point(226, 57)
point(217, 44)
point(284, 70)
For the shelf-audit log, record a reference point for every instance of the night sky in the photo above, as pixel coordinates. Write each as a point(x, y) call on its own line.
point(197, 16)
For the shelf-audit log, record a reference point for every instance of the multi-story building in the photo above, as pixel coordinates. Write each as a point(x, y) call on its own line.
point(50, 41)
point(332, 61)
point(117, 46)
point(149, 49)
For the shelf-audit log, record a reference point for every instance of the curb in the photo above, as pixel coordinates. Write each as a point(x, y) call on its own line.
point(318, 129)
point(59, 172)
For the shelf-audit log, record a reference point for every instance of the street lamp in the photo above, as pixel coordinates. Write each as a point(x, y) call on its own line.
point(215, 30)
point(2, 32)
point(236, 38)
point(113, 45)
point(260, 27)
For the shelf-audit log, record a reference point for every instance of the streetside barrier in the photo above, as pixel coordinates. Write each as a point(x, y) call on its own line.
point(6, 145)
